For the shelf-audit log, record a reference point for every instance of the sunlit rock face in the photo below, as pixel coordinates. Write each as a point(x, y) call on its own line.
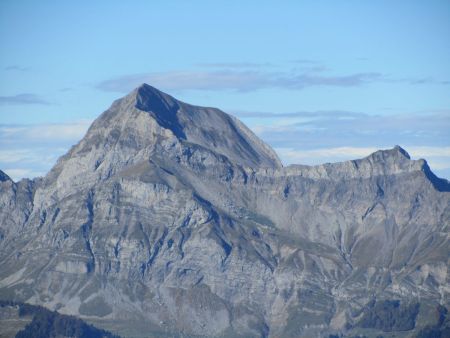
point(168, 218)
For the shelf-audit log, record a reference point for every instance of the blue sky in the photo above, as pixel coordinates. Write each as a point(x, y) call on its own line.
point(320, 81)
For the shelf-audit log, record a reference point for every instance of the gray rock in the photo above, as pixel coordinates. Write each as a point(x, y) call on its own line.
point(172, 219)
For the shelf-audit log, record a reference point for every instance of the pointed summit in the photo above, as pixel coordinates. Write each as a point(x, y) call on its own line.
point(207, 127)
point(149, 98)
point(401, 151)
point(148, 123)
point(386, 156)
point(149, 94)
point(163, 107)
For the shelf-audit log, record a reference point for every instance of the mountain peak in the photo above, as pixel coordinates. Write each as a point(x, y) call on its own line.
point(208, 127)
point(146, 86)
point(180, 217)
point(401, 151)
point(394, 155)
point(148, 97)
point(396, 152)
point(151, 122)
point(163, 107)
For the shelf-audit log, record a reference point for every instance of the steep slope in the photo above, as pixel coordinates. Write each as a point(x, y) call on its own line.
point(16, 204)
point(170, 218)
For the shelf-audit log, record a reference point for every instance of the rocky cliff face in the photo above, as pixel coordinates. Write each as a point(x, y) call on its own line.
point(172, 219)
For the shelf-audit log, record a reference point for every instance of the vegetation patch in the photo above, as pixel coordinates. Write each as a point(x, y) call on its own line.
point(95, 307)
point(389, 315)
point(46, 323)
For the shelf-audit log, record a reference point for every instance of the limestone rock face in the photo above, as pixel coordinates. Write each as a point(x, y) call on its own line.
point(172, 219)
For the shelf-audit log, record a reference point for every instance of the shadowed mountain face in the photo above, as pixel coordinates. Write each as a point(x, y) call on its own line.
point(172, 219)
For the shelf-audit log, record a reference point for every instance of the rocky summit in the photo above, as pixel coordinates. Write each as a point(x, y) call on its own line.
point(172, 220)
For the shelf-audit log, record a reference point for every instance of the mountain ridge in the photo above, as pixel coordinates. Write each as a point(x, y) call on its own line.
point(159, 104)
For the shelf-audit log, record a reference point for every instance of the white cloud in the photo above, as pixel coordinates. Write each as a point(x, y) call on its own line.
point(31, 150)
point(329, 136)
point(303, 138)
point(250, 76)
point(21, 99)
point(316, 156)
point(12, 156)
point(239, 80)
point(53, 132)
point(17, 174)
point(427, 152)
point(339, 129)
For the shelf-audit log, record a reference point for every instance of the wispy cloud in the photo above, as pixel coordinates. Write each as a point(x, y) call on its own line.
point(314, 137)
point(17, 68)
point(16, 174)
point(25, 98)
point(340, 153)
point(44, 132)
point(30, 162)
point(31, 150)
point(30, 155)
point(319, 129)
point(437, 157)
point(322, 155)
point(188, 80)
point(231, 79)
point(339, 114)
point(428, 80)
point(304, 137)
point(353, 80)
point(235, 65)
point(306, 61)
point(247, 77)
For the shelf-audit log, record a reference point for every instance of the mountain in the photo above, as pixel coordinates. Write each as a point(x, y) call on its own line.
point(168, 219)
